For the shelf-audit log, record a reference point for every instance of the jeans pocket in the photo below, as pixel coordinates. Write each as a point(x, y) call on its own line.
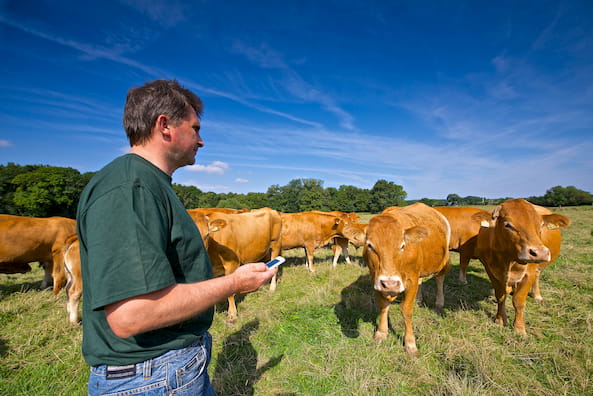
point(192, 370)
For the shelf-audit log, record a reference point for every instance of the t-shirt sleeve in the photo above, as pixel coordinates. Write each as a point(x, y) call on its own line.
point(127, 236)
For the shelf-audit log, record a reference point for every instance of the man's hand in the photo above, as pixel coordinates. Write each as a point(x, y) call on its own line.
point(250, 277)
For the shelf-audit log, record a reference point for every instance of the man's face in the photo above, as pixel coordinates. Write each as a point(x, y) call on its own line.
point(186, 140)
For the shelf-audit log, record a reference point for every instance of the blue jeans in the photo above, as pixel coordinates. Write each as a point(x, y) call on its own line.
point(181, 372)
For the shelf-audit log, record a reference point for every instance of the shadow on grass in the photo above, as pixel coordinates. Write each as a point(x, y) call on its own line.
point(23, 287)
point(3, 348)
point(459, 297)
point(236, 370)
point(358, 302)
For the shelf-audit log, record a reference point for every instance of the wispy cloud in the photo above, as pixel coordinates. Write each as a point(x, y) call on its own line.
point(5, 143)
point(267, 58)
point(240, 180)
point(215, 168)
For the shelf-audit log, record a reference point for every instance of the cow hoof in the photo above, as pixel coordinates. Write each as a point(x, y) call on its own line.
point(463, 281)
point(412, 350)
point(380, 336)
point(538, 299)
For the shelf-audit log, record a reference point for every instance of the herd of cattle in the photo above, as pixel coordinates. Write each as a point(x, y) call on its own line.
point(402, 245)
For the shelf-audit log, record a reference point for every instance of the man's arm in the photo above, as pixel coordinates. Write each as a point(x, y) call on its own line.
point(179, 302)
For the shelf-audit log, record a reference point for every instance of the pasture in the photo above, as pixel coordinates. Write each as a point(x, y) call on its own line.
point(313, 336)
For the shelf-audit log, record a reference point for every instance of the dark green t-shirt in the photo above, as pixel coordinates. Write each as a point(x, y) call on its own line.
point(135, 238)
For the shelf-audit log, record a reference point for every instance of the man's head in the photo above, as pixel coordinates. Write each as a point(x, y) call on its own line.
point(160, 97)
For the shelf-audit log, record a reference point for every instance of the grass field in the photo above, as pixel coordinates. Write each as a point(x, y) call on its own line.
point(314, 335)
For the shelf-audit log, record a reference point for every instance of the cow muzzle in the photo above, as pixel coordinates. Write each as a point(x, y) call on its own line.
point(530, 254)
point(389, 285)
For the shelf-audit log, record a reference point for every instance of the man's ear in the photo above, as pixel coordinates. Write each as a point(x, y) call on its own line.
point(162, 126)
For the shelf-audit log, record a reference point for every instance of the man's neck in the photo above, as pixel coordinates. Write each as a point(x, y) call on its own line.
point(153, 157)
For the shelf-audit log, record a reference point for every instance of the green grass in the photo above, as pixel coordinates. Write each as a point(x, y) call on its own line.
point(313, 336)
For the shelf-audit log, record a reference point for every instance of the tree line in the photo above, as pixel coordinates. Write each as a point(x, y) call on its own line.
point(43, 190)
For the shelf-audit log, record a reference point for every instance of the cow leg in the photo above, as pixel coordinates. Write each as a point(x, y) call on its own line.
point(337, 249)
point(500, 293)
point(73, 294)
point(419, 293)
point(520, 300)
point(407, 309)
point(276, 249)
point(232, 311)
point(273, 283)
point(47, 275)
point(58, 271)
point(464, 259)
point(535, 288)
point(382, 328)
point(440, 280)
point(309, 253)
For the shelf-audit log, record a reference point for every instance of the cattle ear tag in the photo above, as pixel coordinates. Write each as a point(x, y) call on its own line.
point(485, 223)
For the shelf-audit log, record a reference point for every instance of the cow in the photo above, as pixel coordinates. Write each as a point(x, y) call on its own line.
point(27, 239)
point(239, 238)
point(74, 275)
point(340, 244)
point(354, 233)
point(310, 230)
point(510, 245)
point(404, 245)
point(464, 234)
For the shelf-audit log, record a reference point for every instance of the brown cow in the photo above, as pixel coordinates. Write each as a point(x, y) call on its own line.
point(510, 247)
point(310, 230)
point(27, 239)
point(239, 238)
point(464, 234)
point(340, 244)
point(74, 284)
point(402, 246)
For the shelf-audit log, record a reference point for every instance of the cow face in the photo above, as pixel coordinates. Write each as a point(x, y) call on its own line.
point(518, 229)
point(390, 252)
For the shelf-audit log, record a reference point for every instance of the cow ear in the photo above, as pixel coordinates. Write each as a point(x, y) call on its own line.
point(216, 225)
point(415, 234)
point(483, 218)
point(555, 221)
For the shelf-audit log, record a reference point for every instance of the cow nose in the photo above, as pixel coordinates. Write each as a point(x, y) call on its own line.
point(390, 284)
point(535, 254)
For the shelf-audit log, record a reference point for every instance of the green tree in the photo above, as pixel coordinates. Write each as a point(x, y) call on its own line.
point(255, 200)
point(208, 199)
point(312, 195)
point(48, 191)
point(7, 173)
point(385, 194)
point(188, 195)
point(453, 199)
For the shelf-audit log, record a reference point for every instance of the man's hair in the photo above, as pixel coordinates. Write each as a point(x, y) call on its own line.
point(146, 103)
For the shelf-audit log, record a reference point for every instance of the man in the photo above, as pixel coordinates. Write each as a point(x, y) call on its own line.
point(147, 281)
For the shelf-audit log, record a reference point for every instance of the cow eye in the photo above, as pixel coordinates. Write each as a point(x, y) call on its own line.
point(402, 246)
point(509, 226)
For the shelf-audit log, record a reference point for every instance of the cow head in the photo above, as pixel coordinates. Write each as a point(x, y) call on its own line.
point(390, 251)
point(355, 233)
point(518, 228)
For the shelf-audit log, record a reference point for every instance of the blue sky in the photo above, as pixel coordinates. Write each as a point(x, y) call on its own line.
point(491, 99)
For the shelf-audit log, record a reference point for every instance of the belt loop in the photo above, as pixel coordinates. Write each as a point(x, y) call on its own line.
point(147, 369)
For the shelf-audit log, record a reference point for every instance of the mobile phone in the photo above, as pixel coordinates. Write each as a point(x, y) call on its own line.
point(276, 262)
